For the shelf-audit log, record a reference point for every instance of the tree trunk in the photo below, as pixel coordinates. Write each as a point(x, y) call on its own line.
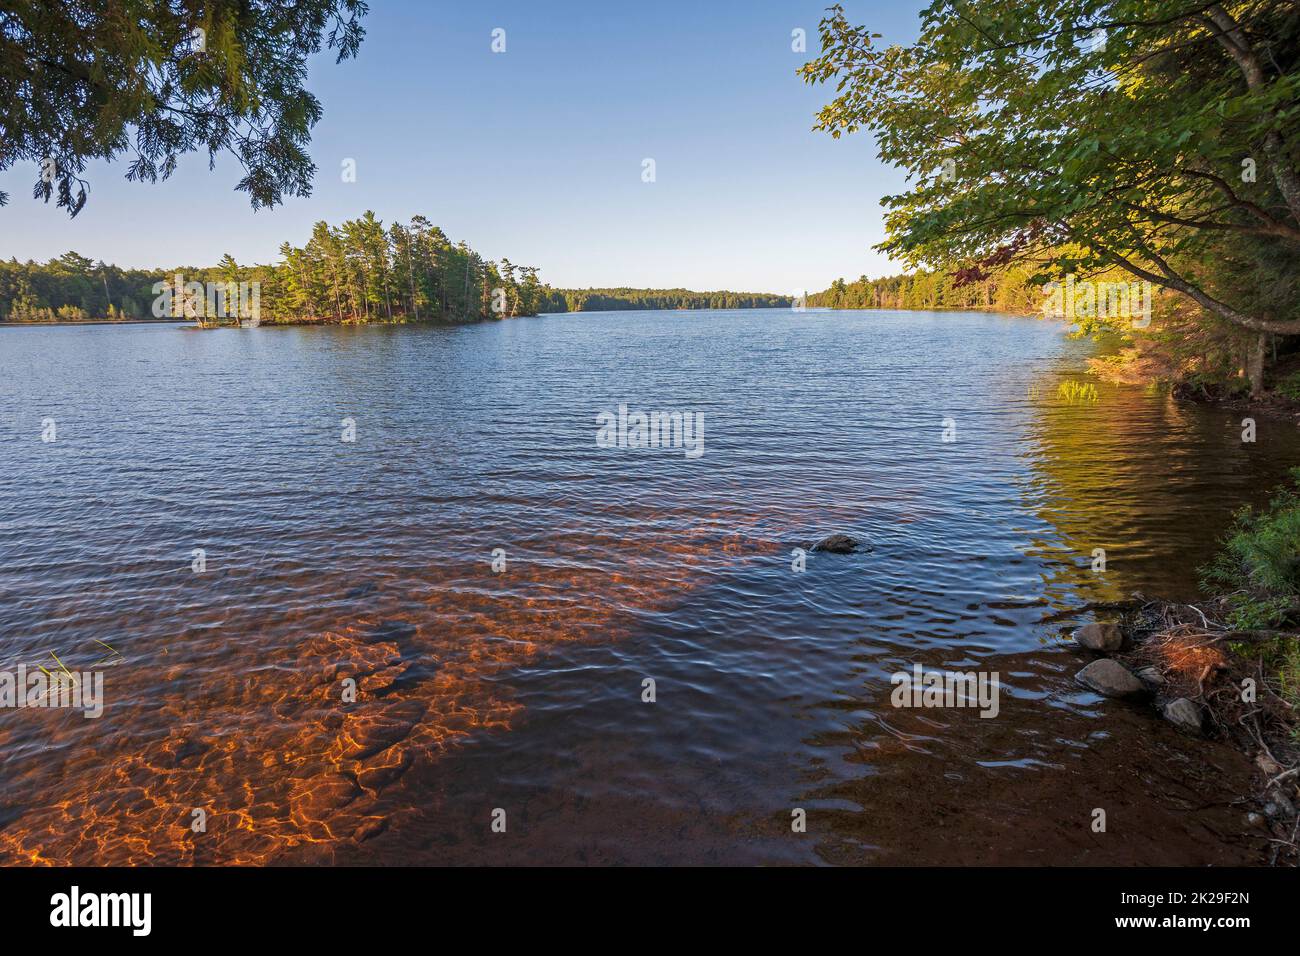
point(1233, 39)
point(1255, 365)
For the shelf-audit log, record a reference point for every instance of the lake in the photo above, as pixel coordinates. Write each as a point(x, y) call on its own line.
point(379, 595)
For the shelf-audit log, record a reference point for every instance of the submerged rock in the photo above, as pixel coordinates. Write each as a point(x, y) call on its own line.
point(370, 827)
point(1099, 637)
point(1184, 715)
point(840, 544)
point(1110, 679)
point(317, 798)
point(367, 733)
point(414, 675)
point(390, 632)
point(383, 768)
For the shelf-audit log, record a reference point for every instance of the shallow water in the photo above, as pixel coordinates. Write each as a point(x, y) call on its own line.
point(522, 690)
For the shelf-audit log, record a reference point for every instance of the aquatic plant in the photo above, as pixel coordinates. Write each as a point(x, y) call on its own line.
point(1073, 391)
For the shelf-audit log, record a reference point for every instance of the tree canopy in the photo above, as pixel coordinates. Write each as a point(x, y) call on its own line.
point(1157, 136)
point(155, 79)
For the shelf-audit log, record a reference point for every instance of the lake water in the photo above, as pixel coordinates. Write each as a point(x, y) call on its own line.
point(326, 561)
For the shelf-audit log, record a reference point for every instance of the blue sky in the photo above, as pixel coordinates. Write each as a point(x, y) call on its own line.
point(536, 154)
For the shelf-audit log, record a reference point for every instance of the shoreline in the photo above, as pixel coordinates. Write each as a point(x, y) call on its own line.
point(19, 325)
point(190, 323)
point(1180, 662)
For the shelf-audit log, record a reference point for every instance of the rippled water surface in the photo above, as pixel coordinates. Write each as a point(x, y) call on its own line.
point(522, 690)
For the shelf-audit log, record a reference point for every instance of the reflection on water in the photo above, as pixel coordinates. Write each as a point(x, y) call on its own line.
point(522, 690)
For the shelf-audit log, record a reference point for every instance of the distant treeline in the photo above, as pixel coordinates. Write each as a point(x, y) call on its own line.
point(356, 272)
point(608, 300)
point(1009, 291)
point(73, 288)
point(362, 272)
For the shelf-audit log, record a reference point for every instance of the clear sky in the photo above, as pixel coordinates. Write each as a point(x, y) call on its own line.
point(536, 154)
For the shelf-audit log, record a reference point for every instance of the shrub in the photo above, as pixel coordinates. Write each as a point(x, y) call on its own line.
point(1290, 386)
point(1261, 554)
point(1259, 569)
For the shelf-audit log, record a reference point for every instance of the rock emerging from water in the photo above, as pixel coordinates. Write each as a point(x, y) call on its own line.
point(1184, 715)
point(840, 544)
point(1100, 637)
point(1110, 679)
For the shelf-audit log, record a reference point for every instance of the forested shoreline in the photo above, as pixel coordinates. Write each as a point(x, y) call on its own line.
point(623, 298)
point(1007, 291)
point(358, 272)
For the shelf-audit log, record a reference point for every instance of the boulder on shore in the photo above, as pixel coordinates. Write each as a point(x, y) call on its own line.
point(1184, 715)
point(840, 544)
point(1110, 679)
point(1099, 637)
